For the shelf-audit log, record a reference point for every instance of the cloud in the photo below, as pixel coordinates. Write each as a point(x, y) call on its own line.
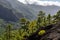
point(23, 1)
point(29, 1)
point(43, 3)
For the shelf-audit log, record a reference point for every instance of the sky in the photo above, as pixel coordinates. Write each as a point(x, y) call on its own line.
point(42, 2)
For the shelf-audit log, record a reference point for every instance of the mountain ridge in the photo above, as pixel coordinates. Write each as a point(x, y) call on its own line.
point(28, 11)
point(7, 7)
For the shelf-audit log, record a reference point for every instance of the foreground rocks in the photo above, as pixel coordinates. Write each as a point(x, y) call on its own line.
point(52, 33)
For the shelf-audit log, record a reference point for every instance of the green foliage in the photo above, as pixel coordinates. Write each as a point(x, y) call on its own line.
point(42, 32)
point(57, 16)
point(23, 20)
point(49, 19)
point(26, 27)
point(41, 18)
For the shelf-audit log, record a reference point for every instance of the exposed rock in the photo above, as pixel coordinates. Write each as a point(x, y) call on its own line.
point(52, 33)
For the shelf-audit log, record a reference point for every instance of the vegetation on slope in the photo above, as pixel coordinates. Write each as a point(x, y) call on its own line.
point(26, 27)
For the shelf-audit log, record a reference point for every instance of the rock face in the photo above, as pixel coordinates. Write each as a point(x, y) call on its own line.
point(52, 33)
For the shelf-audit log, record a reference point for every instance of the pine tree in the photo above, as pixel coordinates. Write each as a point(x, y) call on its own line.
point(23, 26)
point(8, 31)
point(56, 17)
point(49, 19)
point(44, 20)
point(41, 16)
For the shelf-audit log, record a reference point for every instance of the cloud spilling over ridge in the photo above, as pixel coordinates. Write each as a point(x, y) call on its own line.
point(38, 2)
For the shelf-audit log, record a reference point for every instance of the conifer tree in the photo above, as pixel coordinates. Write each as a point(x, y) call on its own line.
point(49, 19)
point(56, 17)
point(41, 16)
point(8, 31)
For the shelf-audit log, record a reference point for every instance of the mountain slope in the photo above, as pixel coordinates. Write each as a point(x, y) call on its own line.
point(46, 6)
point(16, 10)
point(47, 9)
point(7, 14)
point(9, 10)
point(32, 9)
point(22, 8)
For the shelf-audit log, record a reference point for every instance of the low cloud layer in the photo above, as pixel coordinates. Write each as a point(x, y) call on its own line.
point(38, 2)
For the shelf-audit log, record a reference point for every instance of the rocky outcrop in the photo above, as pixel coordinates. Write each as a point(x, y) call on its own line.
point(52, 33)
